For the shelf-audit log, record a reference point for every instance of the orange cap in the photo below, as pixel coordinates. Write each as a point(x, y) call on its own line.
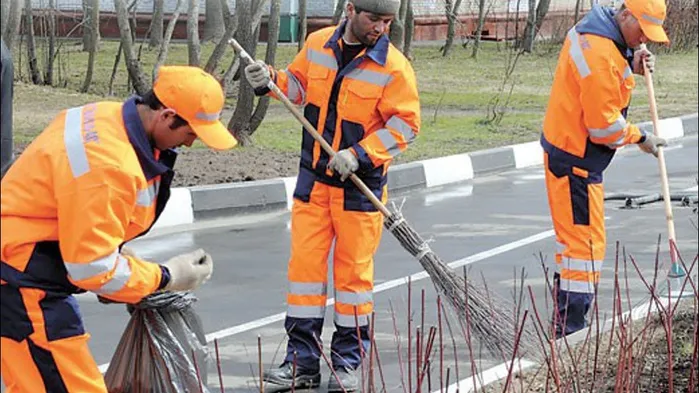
point(197, 97)
point(650, 15)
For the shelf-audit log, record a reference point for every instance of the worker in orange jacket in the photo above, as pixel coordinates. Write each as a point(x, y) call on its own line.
point(584, 125)
point(360, 92)
point(98, 176)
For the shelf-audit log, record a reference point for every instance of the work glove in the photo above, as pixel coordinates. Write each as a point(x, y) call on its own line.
point(643, 54)
point(258, 74)
point(127, 252)
point(345, 163)
point(650, 145)
point(189, 271)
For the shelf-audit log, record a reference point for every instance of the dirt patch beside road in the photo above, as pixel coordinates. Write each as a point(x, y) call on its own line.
point(201, 166)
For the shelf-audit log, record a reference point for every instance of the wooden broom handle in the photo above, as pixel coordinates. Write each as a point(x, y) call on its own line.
point(312, 130)
point(661, 159)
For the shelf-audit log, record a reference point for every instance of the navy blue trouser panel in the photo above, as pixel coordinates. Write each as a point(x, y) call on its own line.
point(304, 339)
point(572, 309)
point(345, 349)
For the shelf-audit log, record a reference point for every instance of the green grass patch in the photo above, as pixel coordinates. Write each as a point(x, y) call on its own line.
point(457, 93)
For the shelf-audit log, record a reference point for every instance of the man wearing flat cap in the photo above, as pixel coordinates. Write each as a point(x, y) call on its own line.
point(360, 93)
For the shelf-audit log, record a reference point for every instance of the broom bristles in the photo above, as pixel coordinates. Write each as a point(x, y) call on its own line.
point(490, 317)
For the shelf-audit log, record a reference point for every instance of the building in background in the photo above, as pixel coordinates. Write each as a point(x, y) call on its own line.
point(430, 19)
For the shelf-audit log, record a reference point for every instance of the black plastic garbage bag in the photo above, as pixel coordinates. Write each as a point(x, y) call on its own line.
point(159, 347)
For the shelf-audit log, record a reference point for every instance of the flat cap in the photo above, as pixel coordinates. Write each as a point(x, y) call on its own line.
point(381, 7)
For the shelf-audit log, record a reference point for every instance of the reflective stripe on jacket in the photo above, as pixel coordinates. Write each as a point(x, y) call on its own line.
point(370, 106)
point(83, 187)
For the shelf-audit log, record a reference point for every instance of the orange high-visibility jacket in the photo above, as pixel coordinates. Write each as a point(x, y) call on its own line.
point(586, 117)
point(370, 106)
point(84, 186)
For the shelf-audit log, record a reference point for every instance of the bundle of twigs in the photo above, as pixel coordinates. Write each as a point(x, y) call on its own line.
point(491, 322)
point(488, 315)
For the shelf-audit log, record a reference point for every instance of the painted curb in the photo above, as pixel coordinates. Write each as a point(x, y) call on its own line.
point(214, 201)
point(192, 204)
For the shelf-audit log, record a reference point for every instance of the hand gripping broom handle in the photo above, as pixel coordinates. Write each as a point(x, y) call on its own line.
point(661, 162)
point(311, 130)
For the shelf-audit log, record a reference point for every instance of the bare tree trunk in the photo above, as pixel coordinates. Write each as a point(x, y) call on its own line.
point(133, 66)
point(12, 23)
point(409, 30)
point(535, 20)
point(479, 29)
point(48, 75)
point(258, 10)
point(222, 45)
point(165, 43)
point(193, 45)
point(31, 43)
point(226, 11)
point(231, 31)
point(303, 23)
point(115, 67)
point(578, 4)
point(452, 11)
point(528, 39)
point(239, 124)
point(214, 26)
point(339, 9)
point(4, 15)
point(232, 69)
point(86, 23)
point(90, 40)
point(397, 32)
point(156, 24)
point(272, 41)
point(92, 28)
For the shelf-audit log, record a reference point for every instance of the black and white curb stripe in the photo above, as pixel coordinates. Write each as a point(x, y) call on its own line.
point(191, 204)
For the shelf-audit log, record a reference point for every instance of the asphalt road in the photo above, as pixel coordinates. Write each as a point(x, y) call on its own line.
point(497, 225)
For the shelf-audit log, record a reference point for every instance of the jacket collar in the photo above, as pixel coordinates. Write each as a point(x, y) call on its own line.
point(600, 21)
point(150, 165)
point(378, 53)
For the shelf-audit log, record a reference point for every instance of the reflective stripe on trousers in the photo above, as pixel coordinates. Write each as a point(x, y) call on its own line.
point(314, 226)
point(576, 201)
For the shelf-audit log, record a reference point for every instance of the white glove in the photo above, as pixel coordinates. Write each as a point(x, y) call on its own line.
point(257, 74)
point(344, 163)
point(189, 271)
point(650, 145)
point(643, 54)
point(128, 252)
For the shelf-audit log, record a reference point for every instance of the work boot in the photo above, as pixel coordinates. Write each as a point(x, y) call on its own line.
point(283, 377)
point(347, 380)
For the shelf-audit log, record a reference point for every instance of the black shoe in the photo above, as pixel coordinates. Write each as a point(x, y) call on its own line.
point(347, 380)
point(283, 377)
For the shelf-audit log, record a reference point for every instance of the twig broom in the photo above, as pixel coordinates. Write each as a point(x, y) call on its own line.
point(494, 324)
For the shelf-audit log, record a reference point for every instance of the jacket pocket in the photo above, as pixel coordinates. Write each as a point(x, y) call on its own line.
point(359, 100)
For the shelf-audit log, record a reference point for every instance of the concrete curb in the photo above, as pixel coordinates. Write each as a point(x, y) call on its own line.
point(192, 204)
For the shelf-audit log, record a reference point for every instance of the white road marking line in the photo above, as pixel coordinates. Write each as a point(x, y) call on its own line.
point(258, 323)
point(487, 377)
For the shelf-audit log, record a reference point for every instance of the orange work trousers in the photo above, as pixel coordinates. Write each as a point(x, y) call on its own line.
point(314, 226)
point(576, 200)
point(44, 345)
